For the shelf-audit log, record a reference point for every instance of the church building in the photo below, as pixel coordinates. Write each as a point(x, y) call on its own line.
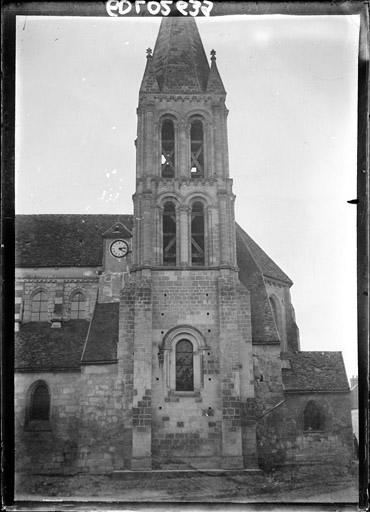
point(167, 339)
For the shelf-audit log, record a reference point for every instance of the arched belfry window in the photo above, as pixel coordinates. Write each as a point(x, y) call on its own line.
point(39, 307)
point(313, 417)
point(197, 234)
point(196, 149)
point(40, 403)
point(184, 366)
point(78, 306)
point(168, 149)
point(169, 234)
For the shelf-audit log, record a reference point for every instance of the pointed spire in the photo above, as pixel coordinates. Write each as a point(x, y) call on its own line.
point(179, 59)
point(149, 82)
point(214, 83)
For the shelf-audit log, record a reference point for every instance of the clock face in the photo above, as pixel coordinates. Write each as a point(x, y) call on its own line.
point(119, 248)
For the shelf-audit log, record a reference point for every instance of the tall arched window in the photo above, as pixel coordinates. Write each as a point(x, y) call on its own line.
point(40, 403)
point(275, 306)
point(313, 417)
point(169, 234)
point(78, 306)
point(196, 149)
point(197, 234)
point(184, 366)
point(39, 307)
point(168, 149)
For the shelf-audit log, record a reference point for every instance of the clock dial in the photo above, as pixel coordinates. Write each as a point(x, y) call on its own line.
point(119, 248)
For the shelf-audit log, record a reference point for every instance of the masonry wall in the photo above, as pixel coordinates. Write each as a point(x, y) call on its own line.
point(187, 427)
point(48, 446)
point(282, 439)
point(60, 284)
point(268, 384)
point(102, 429)
point(289, 332)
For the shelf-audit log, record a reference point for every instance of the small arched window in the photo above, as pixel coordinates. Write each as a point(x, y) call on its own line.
point(40, 403)
point(313, 417)
point(39, 307)
point(78, 306)
point(168, 149)
point(184, 366)
point(197, 234)
point(169, 234)
point(196, 149)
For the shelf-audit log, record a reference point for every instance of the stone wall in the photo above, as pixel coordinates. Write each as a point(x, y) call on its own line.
point(189, 427)
point(102, 429)
point(283, 440)
point(48, 446)
point(59, 284)
point(268, 384)
point(86, 431)
point(180, 427)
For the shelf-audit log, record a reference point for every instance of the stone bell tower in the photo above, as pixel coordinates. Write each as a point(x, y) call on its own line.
point(185, 345)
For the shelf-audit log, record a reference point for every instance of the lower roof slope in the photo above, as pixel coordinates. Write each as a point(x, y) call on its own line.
point(315, 371)
point(38, 346)
point(102, 338)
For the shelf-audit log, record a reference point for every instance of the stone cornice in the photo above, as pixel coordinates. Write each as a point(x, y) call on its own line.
point(162, 268)
point(147, 99)
point(265, 342)
point(276, 282)
point(51, 369)
point(176, 181)
point(315, 391)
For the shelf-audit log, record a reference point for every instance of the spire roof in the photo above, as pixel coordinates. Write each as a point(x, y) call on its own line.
point(214, 83)
point(179, 62)
point(149, 82)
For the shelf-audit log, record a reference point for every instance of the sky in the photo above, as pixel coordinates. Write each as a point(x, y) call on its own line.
point(292, 126)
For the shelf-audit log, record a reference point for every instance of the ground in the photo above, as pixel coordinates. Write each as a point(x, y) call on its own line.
point(234, 488)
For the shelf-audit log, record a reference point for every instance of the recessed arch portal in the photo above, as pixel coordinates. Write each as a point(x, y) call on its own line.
point(313, 417)
point(38, 407)
point(183, 349)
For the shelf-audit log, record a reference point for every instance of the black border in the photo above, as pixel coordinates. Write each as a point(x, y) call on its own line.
point(97, 8)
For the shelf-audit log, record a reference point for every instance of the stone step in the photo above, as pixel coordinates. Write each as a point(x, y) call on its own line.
point(127, 474)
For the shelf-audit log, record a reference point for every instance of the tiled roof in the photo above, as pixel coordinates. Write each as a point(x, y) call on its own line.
point(76, 240)
point(63, 240)
point(266, 265)
point(179, 60)
point(38, 346)
point(315, 371)
point(101, 343)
